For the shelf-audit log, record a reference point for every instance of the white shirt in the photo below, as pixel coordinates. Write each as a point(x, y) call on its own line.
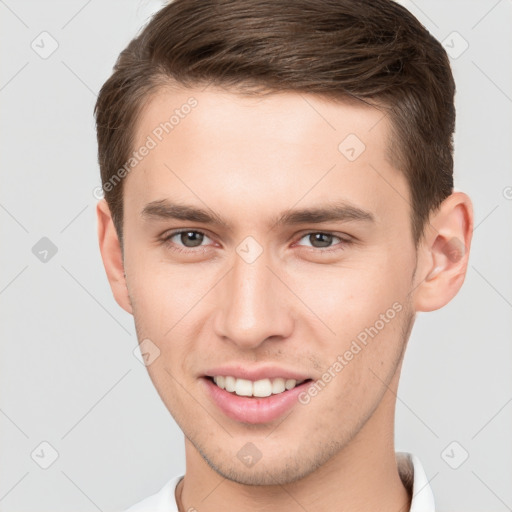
point(409, 468)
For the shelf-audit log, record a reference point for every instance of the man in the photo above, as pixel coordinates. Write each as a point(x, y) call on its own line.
point(278, 205)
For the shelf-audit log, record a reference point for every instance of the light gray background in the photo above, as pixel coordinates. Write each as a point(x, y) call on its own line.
point(68, 373)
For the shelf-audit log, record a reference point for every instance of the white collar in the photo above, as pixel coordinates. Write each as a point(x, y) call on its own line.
point(413, 477)
point(409, 467)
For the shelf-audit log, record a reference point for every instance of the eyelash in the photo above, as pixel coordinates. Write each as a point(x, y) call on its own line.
point(167, 241)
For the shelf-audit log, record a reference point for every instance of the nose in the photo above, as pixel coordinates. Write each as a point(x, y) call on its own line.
point(253, 304)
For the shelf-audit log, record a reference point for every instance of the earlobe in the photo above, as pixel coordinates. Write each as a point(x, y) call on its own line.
point(443, 253)
point(111, 254)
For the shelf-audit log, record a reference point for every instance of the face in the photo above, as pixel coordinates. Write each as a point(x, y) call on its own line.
point(268, 239)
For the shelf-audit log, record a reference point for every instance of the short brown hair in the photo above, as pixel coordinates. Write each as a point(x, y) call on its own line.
point(375, 51)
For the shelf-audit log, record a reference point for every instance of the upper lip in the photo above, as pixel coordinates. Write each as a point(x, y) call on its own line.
point(240, 371)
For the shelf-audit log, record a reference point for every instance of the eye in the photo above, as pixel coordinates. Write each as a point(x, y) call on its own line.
point(191, 241)
point(185, 239)
point(321, 240)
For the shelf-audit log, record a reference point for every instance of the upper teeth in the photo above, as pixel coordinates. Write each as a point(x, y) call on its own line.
point(259, 388)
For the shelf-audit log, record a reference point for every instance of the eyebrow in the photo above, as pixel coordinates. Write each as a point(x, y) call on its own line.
point(340, 212)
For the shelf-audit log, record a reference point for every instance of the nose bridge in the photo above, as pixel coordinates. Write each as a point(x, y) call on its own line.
point(253, 309)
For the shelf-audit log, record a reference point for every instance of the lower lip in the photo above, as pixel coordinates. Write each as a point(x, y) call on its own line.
point(254, 410)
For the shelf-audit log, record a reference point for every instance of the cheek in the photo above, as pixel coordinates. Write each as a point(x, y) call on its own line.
point(161, 293)
point(367, 308)
point(170, 304)
point(350, 299)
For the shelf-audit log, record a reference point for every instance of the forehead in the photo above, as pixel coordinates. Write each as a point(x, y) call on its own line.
point(287, 116)
point(275, 149)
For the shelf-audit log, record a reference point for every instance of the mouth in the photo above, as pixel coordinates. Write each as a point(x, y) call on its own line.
point(255, 389)
point(254, 402)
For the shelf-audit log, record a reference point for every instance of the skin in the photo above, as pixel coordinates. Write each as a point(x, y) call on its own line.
point(296, 306)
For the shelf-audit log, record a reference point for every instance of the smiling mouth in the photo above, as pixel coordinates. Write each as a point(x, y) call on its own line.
point(255, 389)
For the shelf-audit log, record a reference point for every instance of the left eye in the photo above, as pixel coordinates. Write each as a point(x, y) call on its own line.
point(320, 240)
point(188, 239)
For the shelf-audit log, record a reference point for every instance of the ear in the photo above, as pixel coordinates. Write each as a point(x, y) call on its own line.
point(112, 256)
point(443, 253)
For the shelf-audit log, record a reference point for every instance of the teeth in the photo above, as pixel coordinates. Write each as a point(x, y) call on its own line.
point(230, 384)
point(220, 381)
point(278, 386)
point(260, 388)
point(290, 383)
point(243, 387)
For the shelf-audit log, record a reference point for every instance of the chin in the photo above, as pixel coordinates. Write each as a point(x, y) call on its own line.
point(277, 469)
